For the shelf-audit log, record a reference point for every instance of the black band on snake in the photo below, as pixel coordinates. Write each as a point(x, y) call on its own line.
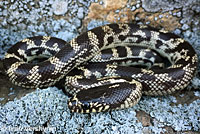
point(108, 67)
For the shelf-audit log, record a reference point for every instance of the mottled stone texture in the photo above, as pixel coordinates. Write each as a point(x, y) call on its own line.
point(135, 11)
point(66, 19)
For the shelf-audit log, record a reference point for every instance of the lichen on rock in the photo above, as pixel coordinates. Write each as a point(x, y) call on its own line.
point(66, 19)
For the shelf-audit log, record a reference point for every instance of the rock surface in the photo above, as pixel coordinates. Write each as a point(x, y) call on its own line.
point(31, 111)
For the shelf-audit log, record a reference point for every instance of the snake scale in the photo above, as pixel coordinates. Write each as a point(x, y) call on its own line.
point(100, 66)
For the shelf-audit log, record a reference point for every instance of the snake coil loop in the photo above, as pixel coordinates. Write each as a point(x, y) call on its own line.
point(103, 63)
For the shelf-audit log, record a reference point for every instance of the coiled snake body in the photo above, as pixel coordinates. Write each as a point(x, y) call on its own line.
point(94, 65)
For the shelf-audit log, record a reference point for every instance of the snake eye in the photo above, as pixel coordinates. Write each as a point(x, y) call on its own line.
point(79, 106)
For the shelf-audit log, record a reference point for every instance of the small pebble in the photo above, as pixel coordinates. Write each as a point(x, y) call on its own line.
point(60, 7)
point(133, 8)
point(137, 5)
point(185, 27)
point(80, 13)
point(177, 31)
point(187, 33)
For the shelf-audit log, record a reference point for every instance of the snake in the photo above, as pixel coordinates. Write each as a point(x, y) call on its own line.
point(105, 68)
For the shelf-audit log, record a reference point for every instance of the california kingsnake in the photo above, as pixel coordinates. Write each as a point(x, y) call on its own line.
point(104, 85)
